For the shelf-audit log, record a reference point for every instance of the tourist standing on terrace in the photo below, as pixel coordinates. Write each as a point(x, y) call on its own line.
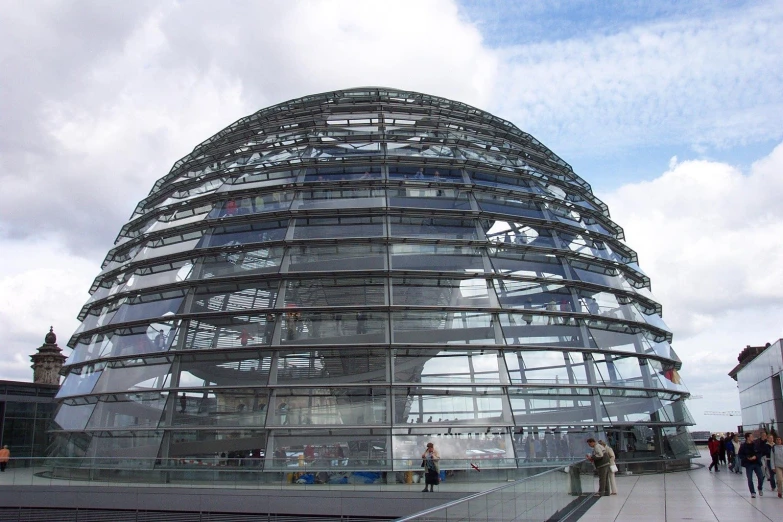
point(600, 460)
point(751, 461)
point(429, 461)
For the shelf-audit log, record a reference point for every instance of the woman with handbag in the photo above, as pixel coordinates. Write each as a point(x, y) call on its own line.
point(612, 467)
point(429, 461)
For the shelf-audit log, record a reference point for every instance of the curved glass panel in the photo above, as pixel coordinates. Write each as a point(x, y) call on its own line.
point(245, 234)
point(317, 258)
point(221, 407)
point(329, 406)
point(433, 227)
point(546, 367)
point(142, 375)
point(453, 405)
point(243, 263)
point(430, 195)
point(337, 327)
point(73, 417)
point(339, 227)
point(442, 327)
point(502, 204)
point(418, 291)
point(344, 197)
point(332, 366)
point(436, 366)
point(410, 256)
point(128, 411)
point(230, 332)
point(80, 380)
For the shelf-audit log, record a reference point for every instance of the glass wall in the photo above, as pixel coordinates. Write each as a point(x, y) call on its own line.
point(26, 411)
point(760, 389)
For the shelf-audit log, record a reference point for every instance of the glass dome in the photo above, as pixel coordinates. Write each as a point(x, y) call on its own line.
point(344, 277)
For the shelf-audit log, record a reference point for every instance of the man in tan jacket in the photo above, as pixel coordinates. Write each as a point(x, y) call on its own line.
point(601, 461)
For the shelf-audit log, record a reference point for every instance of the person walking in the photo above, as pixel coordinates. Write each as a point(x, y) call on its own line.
point(429, 461)
point(751, 461)
point(612, 467)
point(766, 459)
point(736, 444)
point(5, 456)
point(722, 451)
point(600, 460)
point(714, 445)
point(777, 464)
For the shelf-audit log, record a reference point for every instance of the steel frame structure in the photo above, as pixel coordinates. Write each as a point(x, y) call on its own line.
point(345, 276)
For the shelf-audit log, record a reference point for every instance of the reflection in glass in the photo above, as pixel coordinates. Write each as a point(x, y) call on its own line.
point(73, 417)
point(368, 256)
point(436, 366)
point(546, 367)
point(80, 380)
point(336, 227)
point(329, 406)
point(416, 291)
point(221, 407)
point(452, 405)
point(411, 256)
point(433, 227)
point(128, 411)
point(442, 327)
point(332, 366)
point(226, 332)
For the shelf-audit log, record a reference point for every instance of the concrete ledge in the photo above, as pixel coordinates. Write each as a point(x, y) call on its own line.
point(332, 502)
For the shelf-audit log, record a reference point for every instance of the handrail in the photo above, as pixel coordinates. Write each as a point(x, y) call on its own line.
point(481, 494)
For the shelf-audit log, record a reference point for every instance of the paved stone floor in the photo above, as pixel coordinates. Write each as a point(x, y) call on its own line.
point(697, 495)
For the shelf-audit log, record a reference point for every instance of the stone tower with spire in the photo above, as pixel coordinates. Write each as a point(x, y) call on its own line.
point(48, 361)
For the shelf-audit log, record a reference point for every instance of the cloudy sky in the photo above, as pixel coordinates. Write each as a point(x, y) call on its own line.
point(672, 111)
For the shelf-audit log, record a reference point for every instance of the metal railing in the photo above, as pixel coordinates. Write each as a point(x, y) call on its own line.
point(459, 475)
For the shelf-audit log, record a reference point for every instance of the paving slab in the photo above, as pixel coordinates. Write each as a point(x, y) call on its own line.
point(696, 496)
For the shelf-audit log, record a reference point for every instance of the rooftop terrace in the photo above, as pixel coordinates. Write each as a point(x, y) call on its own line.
point(697, 495)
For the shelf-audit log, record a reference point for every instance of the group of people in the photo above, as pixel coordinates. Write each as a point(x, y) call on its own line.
point(762, 457)
point(723, 451)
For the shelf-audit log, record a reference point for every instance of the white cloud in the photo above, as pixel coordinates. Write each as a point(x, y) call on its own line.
point(41, 285)
point(709, 81)
point(116, 95)
point(97, 140)
point(708, 235)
